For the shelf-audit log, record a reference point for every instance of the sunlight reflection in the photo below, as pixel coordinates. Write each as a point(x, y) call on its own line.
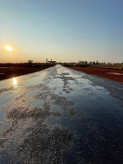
point(14, 81)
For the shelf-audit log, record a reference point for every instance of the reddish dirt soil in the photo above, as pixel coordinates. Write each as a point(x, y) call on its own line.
point(103, 72)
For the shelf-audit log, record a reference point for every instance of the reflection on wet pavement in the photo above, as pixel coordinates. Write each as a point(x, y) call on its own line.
point(60, 116)
point(14, 81)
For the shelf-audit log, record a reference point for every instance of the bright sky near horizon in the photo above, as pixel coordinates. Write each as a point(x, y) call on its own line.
point(64, 30)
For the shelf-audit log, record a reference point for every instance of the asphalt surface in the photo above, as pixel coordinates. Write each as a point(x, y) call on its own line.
point(60, 115)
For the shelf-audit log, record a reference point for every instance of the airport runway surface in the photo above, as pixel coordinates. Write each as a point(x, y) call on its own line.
point(60, 115)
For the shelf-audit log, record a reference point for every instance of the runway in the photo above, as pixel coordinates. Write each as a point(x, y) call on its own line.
point(60, 115)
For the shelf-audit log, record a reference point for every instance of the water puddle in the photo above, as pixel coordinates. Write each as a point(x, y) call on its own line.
point(114, 73)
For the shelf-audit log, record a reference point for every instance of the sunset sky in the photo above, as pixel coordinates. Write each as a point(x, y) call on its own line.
point(64, 30)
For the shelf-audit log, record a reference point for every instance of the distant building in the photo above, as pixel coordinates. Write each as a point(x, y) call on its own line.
point(52, 62)
point(46, 60)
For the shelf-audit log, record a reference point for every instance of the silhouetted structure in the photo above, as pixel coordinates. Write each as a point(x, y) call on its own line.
point(52, 62)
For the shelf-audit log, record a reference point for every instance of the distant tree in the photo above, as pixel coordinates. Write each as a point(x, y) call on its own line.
point(30, 62)
point(81, 62)
point(97, 62)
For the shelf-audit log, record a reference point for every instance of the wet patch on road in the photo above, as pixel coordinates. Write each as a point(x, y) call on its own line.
point(27, 137)
point(64, 117)
point(6, 89)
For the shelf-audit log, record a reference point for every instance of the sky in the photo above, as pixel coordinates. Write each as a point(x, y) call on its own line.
point(61, 30)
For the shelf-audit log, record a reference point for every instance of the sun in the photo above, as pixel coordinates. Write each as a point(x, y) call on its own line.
point(8, 48)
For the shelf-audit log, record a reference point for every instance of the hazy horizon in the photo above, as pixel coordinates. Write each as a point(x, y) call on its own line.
point(66, 31)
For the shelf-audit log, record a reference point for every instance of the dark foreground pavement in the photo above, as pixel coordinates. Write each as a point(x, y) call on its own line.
point(61, 116)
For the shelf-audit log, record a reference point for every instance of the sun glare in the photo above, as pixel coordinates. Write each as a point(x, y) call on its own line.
point(8, 48)
point(14, 81)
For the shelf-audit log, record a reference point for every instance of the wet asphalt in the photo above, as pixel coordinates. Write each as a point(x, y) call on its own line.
point(60, 115)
